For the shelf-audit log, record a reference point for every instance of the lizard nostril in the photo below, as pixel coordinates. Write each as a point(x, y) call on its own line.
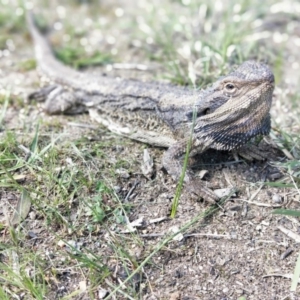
point(207, 111)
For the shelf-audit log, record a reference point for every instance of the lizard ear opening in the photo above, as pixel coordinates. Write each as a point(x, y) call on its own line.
point(199, 113)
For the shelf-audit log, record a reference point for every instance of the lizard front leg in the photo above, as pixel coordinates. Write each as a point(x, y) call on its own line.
point(251, 152)
point(172, 162)
point(59, 100)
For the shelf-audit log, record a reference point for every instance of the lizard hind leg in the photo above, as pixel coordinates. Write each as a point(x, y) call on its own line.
point(58, 100)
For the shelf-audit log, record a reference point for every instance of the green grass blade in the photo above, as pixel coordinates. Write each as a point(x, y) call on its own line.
point(287, 212)
point(179, 187)
point(296, 275)
point(4, 109)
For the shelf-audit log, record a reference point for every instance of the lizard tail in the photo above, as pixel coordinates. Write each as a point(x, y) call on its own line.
point(42, 47)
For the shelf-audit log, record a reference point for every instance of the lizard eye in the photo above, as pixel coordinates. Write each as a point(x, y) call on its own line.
point(229, 88)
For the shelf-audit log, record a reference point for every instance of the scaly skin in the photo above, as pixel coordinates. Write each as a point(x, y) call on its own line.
point(227, 114)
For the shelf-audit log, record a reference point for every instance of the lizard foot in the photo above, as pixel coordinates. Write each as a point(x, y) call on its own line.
point(59, 100)
point(195, 189)
point(41, 94)
point(251, 152)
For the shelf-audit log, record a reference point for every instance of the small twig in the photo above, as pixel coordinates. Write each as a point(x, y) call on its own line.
point(131, 190)
point(151, 235)
point(288, 276)
point(82, 125)
point(260, 203)
point(254, 249)
point(27, 152)
point(290, 233)
point(158, 220)
point(189, 235)
point(292, 178)
point(226, 236)
point(264, 241)
point(128, 66)
point(256, 193)
point(286, 253)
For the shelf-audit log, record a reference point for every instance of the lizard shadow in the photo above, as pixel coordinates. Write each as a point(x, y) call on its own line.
point(217, 163)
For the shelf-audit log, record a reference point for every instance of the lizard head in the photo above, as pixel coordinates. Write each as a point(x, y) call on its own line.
point(238, 107)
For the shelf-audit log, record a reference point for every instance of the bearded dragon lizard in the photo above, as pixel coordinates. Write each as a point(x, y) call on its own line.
point(224, 116)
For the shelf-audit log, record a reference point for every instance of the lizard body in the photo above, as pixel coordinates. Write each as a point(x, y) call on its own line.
point(225, 116)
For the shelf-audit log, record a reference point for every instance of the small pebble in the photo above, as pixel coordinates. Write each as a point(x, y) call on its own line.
point(102, 293)
point(31, 235)
point(276, 198)
point(32, 215)
point(117, 188)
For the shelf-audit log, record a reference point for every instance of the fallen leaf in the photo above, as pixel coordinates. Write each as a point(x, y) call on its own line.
point(147, 165)
point(22, 209)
